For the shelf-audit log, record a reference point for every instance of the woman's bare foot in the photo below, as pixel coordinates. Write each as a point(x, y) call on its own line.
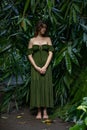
point(45, 115)
point(38, 116)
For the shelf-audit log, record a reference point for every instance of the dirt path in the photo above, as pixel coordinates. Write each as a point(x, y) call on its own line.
point(23, 120)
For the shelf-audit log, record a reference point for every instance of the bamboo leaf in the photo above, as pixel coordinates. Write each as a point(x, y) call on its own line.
point(58, 60)
point(15, 17)
point(55, 10)
point(74, 16)
point(64, 6)
point(23, 24)
point(3, 32)
point(84, 27)
point(28, 22)
point(26, 6)
point(76, 7)
point(86, 121)
point(5, 49)
point(72, 55)
point(33, 5)
point(63, 27)
point(54, 19)
point(7, 7)
point(70, 17)
point(50, 4)
point(76, 52)
point(66, 81)
point(68, 62)
point(74, 59)
point(20, 20)
point(67, 11)
point(84, 37)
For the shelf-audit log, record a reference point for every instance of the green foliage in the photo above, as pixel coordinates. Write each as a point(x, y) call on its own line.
point(79, 86)
point(80, 126)
point(61, 112)
point(76, 113)
point(16, 28)
point(16, 95)
point(82, 120)
point(67, 25)
point(64, 60)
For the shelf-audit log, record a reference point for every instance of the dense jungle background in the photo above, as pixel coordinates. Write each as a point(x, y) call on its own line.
point(67, 24)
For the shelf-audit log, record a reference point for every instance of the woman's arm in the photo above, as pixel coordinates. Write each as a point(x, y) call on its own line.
point(48, 59)
point(31, 58)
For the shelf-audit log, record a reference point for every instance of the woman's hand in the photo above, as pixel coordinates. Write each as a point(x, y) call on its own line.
point(38, 69)
point(43, 70)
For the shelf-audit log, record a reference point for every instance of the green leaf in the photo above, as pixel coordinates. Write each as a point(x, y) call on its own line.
point(76, 52)
point(70, 17)
point(24, 25)
point(84, 27)
point(28, 22)
point(61, 51)
point(74, 59)
point(72, 55)
point(54, 19)
point(86, 120)
point(76, 7)
point(58, 60)
point(20, 20)
point(82, 107)
point(64, 5)
point(26, 6)
point(5, 49)
point(68, 62)
point(67, 10)
point(49, 3)
point(84, 37)
point(78, 127)
point(66, 81)
point(74, 16)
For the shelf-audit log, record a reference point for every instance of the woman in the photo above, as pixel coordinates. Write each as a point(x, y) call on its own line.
point(40, 52)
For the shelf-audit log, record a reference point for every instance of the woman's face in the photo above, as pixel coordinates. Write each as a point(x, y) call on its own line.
point(43, 29)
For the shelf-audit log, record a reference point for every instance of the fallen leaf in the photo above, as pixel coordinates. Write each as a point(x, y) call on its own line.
point(4, 117)
point(18, 117)
point(48, 121)
point(22, 113)
point(23, 122)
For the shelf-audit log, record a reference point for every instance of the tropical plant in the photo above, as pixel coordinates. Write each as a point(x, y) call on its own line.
point(68, 30)
point(80, 86)
point(17, 26)
point(81, 122)
point(70, 36)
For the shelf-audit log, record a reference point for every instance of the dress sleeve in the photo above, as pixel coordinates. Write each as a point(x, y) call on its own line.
point(50, 47)
point(30, 51)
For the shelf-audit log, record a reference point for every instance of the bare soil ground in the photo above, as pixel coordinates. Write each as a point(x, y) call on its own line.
point(24, 120)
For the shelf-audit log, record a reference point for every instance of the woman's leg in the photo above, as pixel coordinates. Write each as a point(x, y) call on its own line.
point(45, 115)
point(38, 114)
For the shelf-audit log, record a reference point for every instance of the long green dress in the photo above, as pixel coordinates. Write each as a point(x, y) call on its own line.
point(41, 90)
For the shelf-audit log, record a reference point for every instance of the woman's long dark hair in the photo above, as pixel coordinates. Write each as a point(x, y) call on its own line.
point(39, 25)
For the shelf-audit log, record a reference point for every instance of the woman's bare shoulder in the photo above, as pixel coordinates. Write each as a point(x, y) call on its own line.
point(48, 38)
point(32, 39)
